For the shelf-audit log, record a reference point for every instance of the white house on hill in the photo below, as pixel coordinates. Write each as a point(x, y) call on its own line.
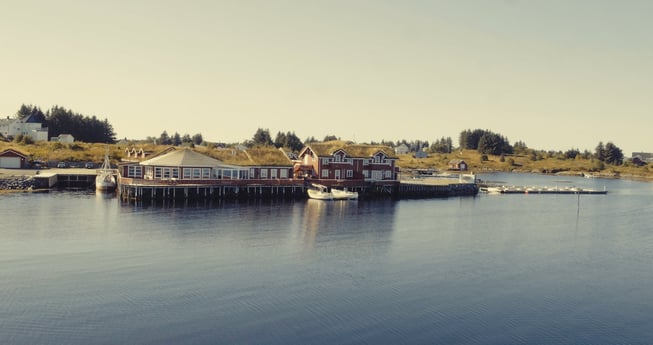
point(29, 125)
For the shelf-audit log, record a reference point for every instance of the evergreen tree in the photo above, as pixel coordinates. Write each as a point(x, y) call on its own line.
point(164, 138)
point(262, 137)
point(281, 140)
point(599, 152)
point(176, 139)
point(293, 142)
point(613, 154)
point(197, 139)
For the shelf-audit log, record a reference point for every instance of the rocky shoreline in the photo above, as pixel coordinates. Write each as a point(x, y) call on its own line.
point(17, 183)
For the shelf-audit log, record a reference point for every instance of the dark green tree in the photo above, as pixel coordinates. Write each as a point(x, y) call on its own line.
point(197, 139)
point(262, 137)
point(280, 140)
point(599, 152)
point(613, 154)
point(176, 139)
point(164, 139)
point(88, 129)
point(293, 142)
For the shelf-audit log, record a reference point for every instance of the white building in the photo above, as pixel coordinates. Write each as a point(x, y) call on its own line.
point(64, 138)
point(28, 125)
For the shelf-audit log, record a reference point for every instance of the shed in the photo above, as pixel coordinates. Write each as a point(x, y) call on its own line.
point(457, 164)
point(12, 159)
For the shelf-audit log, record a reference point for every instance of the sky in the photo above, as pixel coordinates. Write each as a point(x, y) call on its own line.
point(554, 74)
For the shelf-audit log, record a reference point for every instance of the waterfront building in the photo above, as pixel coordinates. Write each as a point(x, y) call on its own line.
point(343, 161)
point(12, 158)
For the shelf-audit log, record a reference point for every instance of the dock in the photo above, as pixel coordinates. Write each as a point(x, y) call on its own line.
point(541, 190)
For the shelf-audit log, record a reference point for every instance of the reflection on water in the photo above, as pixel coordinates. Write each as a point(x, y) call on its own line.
point(86, 268)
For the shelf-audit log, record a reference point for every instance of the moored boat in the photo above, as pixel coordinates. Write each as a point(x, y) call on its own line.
point(343, 194)
point(105, 180)
point(319, 192)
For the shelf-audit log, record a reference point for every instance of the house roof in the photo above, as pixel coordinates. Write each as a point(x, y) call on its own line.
point(328, 148)
point(16, 152)
point(256, 156)
point(185, 157)
point(456, 161)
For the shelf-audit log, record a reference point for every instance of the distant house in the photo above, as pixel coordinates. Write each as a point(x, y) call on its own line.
point(30, 125)
point(402, 149)
point(457, 164)
point(338, 160)
point(643, 156)
point(13, 159)
point(421, 154)
point(64, 138)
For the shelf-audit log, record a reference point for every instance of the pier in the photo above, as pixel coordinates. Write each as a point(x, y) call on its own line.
point(541, 190)
point(76, 178)
point(148, 190)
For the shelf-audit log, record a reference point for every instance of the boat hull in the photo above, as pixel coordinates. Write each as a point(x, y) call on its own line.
point(344, 194)
point(319, 195)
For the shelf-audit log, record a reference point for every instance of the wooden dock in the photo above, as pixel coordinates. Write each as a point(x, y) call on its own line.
point(148, 190)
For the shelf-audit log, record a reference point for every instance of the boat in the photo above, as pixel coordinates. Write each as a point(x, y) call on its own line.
point(319, 192)
point(343, 194)
point(105, 180)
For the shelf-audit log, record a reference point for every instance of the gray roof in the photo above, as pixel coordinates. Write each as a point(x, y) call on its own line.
point(185, 157)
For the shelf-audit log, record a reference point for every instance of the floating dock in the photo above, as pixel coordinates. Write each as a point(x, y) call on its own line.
point(540, 190)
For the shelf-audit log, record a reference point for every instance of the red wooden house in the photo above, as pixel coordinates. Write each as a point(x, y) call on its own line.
point(342, 161)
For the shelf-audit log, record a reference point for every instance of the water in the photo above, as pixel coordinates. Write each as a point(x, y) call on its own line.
point(81, 268)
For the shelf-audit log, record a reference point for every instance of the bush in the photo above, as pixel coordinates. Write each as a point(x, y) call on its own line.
point(484, 158)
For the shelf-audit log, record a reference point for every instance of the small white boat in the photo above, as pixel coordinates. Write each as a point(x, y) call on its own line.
point(343, 194)
point(319, 192)
point(105, 180)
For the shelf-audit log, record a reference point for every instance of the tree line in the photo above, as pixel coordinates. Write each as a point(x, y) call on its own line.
point(60, 120)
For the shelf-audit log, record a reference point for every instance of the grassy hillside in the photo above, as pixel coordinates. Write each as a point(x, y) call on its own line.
point(83, 152)
point(522, 163)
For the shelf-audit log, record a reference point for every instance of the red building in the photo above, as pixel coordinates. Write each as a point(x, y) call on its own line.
point(14, 159)
point(341, 161)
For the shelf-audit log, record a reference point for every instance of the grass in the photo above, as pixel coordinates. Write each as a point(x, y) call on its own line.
point(523, 163)
point(84, 152)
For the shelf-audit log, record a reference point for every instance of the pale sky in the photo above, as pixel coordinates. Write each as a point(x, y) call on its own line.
point(554, 74)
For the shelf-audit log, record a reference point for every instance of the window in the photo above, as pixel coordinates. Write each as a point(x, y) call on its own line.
point(175, 172)
point(377, 159)
point(187, 173)
point(206, 173)
point(134, 171)
point(157, 172)
point(264, 173)
point(366, 173)
point(325, 172)
point(273, 173)
point(166, 172)
point(325, 161)
point(283, 173)
point(149, 173)
point(350, 173)
point(338, 158)
point(252, 173)
point(388, 174)
point(197, 173)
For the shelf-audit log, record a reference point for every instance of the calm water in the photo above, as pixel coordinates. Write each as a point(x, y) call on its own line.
point(80, 268)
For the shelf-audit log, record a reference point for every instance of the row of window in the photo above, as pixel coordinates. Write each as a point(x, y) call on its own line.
point(376, 174)
point(340, 159)
point(202, 173)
